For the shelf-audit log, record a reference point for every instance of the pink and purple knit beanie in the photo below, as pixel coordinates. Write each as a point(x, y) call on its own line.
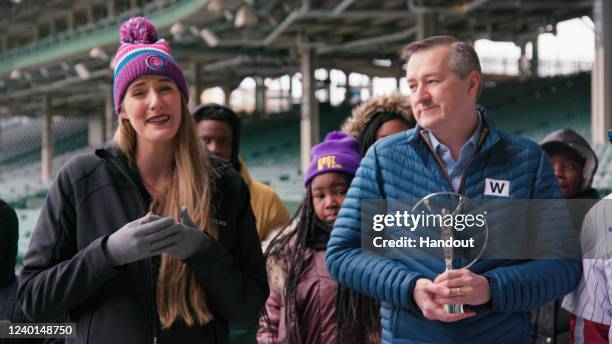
point(337, 153)
point(142, 52)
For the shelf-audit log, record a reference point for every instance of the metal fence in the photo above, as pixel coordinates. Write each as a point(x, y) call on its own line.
point(504, 66)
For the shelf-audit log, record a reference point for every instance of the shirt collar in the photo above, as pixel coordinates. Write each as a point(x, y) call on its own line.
point(471, 143)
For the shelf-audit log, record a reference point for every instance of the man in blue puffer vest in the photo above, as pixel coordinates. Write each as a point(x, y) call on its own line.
point(454, 148)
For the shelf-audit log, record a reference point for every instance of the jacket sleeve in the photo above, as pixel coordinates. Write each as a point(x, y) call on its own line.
point(9, 236)
point(278, 214)
point(524, 286)
point(235, 278)
point(56, 276)
point(270, 212)
point(370, 274)
point(269, 323)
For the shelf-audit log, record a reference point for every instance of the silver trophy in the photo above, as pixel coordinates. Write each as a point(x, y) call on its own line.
point(451, 203)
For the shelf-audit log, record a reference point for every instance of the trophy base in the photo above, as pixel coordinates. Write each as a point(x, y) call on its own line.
point(454, 309)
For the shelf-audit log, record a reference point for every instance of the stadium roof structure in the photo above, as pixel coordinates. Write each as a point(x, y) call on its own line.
point(63, 48)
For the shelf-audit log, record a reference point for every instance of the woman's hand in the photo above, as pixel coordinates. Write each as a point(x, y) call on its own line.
point(147, 236)
point(191, 239)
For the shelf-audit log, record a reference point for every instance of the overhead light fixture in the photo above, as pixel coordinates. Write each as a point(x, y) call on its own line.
point(209, 37)
point(16, 74)
point(176, 30)
point(215, 6)
point(245, 17)
point(228, 15)
point(588, 22)
point(272, 20)
point(98, 53)
point(82, 71)
point(382, 62)
point(194, 30)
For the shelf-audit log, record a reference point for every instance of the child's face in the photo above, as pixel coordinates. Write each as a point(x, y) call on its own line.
point(569, 173)
point(328, 192)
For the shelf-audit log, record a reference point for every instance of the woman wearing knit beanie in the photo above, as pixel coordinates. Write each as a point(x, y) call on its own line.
point(306, 305)
point(134, 242)
point(379, 117)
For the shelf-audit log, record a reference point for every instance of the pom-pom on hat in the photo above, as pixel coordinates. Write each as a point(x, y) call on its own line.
point(142, 52)
point(337, 153)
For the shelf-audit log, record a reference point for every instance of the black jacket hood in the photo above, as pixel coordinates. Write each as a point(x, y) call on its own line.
point(579, 145)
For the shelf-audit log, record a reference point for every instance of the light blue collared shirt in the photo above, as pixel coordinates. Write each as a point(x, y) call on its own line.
point(455, 169)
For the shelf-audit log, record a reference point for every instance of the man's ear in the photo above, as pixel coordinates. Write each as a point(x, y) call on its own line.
point(474, 85)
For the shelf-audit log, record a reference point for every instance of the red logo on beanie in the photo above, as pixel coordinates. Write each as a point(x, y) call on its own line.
point(155, 62)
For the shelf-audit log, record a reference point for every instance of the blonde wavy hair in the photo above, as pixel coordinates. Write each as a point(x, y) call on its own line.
point(179, 295)
point(361, 116)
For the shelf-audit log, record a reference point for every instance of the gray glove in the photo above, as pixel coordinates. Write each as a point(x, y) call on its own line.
point(191, 239)
point(145, 237)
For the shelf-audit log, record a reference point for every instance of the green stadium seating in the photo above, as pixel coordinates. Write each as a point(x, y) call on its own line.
point(271, 146)
point(21, 139)
point(531, 108)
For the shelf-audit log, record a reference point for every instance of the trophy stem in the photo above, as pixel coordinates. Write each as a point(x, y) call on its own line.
point(453, 308)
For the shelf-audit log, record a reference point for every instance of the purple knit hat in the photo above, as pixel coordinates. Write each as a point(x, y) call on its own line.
point(142, 52)
point(337, 153)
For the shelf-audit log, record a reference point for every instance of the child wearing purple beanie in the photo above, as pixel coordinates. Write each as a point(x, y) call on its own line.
point(146, 240)
point(306, 305)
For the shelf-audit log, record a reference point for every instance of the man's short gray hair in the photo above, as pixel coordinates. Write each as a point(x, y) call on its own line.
point(464, 59)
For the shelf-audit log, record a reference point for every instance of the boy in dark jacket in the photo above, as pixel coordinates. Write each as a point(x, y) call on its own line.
point(574, 164)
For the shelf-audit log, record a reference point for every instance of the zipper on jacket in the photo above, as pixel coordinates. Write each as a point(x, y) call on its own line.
point(153, 319)
point(118, 165)
point(460, 191)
